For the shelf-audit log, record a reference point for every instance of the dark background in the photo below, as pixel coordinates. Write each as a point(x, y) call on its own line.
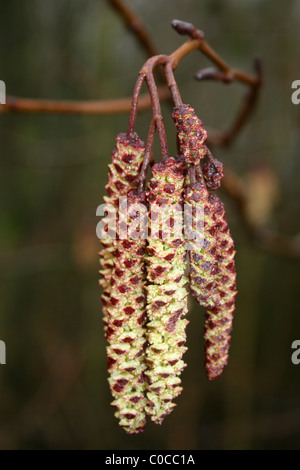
point(53, 389)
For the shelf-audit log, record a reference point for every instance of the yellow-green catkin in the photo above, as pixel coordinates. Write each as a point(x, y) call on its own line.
point(166, 291)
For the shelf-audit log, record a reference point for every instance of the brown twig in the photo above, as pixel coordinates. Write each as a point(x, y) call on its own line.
point(262, 236)
point(192, 174)
point(211, 73)
point(198, 42)
point(146, 73)
point(147, 155)
point(172, 84)
point(225, 73)
point(134, 102)
point(157, 115)
point(101, 107)
point(199, 174)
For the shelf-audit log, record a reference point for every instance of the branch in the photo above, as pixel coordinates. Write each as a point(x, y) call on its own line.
point(225, 73)
point(262, 236)
point(196, 35)
point(124, 105)
point(147, 156)
point(117, 106)
point(157, 116)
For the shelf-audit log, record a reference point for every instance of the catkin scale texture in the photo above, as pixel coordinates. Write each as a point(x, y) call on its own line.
point(202, 252)
point(191, 134)
point(218, 319)
point(144, 278)
point(166, 294)
point(124, 168)
point(123, 294)
point(126, 327)
point(212, 267)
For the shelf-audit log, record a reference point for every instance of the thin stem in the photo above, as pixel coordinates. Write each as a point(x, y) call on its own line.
point(145, 71)
point(172, 84)
point(211, 73)
point(192, 174)
point(157, 115)
point(201, 44)
point(151, 63)
point(197, 41)
point(184, 50)
point(134, 103)
point(15, 104)
point(238, 75)
point(209, 155)
point(226, 74)
point(199, 174)
point(148, 156)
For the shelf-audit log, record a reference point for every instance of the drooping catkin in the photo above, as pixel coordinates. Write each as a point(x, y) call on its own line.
point(212, 267)
point(218, 319)
point(202, 251)
point(126, 324)
point(144, 276)
point(166, 292)
point(127, 158)
point(191, 134)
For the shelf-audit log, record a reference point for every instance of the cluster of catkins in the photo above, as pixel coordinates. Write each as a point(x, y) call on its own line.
point(145, 279)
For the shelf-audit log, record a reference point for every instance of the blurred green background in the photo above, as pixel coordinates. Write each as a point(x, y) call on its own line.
point(53, 389)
